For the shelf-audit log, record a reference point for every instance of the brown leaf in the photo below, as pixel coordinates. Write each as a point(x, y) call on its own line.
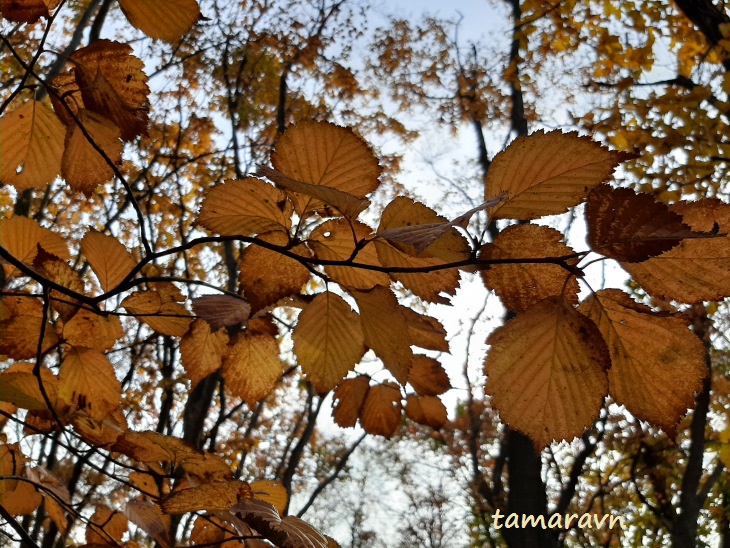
point(328, 340)
point(208, 496)
point(87, 382)
point(159, 311)
point(201, 351)
point(523, 285)
point(168, 20)
point(252, 367)
point(221, 310)
point(657, 362)
point(106, 525)
point(385, 330)
point(381, 412)
point(547, 372)
point(547, 173)
point(347, 400)
point(58, 271)
point(428, 410)
point(149, 518)
point(428, 377)
point(425, 331)
point(21, 324)
point(20, 501)
point(27, 11)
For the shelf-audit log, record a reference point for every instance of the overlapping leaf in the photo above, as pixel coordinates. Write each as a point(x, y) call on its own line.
point(328, 340)
point(657, 362)
point(91, 330)
point(86, 381)
point(428, 377)
point(428, 410)
point(108, 258)
point(22, 236)
point(21, 322)
point(27, 11)
point(245, 208)
point(425, 331)
point(251, 366)
point(31, 146)
point(547, 173)
point(381, 412)
point(106, 525)
point(547, 372)
point(221, 310)
point(272, 492)
point(201, 351)
point(19, 386)
point(159, 311)
point(521, 285)
point(59, 272)
point(208, 496)
point(347, 400)
point(148, 516)
point(168, 20)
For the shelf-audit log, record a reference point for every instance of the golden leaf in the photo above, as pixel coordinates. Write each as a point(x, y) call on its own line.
point(21, 501)
point(381, 412)
point(31, 146)
point(87, 382)
point(101, 433)
point(272, 492)
point(657, 362)
point(547, 372)
point(425, 331)
point(20, 386)
point(267, 276)
point(208, 496)
point(385, 329)
point(164, 315)
point(252, 367)
point(347, 400)
point(321, 153)
point(335, 240)
point(328, 340)
point(108, 258)
point(106, 525)
point(20, 331)
point(168, 20)
point(521, 286)
point(21, 236)
point(201, 351)
point(245, 208)
point(428, 410)
point(547, 173)
point(86, 328)
point(145, 483)
point(428, 377)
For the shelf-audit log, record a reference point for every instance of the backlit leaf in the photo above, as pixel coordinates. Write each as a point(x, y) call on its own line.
point(59, 271)
point(108, 258)
point(208, 496)
point(148, 516)
point(245, 208)
point(168, 20)
point(425, 331)
point(21, 236)
point(657, 362)
point(251, 366)
point(86, 328)
point(547, 173)
point(106, 525)
point(546, 372)
point(87, 382)
point(385, 329)
point(428, 410)
point(328, 340)
point(522, 285)
point(381, 412)
point(221, 310)
point(19, 386)
point(21, 327)
point(428, 377)
point(31, 146)
point(201, 351)
point(347, 400)
point(21, 501)
point(27, 11)
point(272, 492)
point(163, 315)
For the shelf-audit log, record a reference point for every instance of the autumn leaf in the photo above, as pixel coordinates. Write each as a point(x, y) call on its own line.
point(31, 146)
point(91, 330)
point(328, 340)
point(86, 381)
point(208, 496)
point(20, 501)
point(267, 276)
point(336, 240)
point(557, 358)
point(21, 237)
point(425, 331)
point(381, 412)
point(272, 492)
point(632, 227)
point(108, 258)
point(522, 285)
point(547, 173)
point(347, 400)
point(697, 269)
point(321, 153)
point(385, 330)
point(201, 351)
point(168, 20)
point(428, 377)
point(428, 410)
point(60, 272)
point(159, 311)
point(245, 208)
point(657, 362)
point(148, 516)
point(106, 525)
point(21, 323)
point(221, 310)
point(252, 367)
point(27, 11)
point(19, 386)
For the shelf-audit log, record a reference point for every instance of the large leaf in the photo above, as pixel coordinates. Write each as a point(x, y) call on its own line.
point(657, 362)
point(328, 340)
point(89, 329)
point(547, 173)
point(695, 270)
point(31, 146)
point(108, 258)
point(20, 325)
point(87, 382)
point(209, 496)
point(251, 366)
point(521, 285)
point(165, 19)
point(547, 372)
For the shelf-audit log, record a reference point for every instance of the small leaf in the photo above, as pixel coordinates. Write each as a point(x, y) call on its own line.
point(381, 413)
point(252, 367)
point(108, 258)
point(347, 400)
point(547, 173)
point(221, 310)
point(87, 382)
point(201, 351)
point(428, 377)
point(428, 410)
point(547, 372)
point(272, 492)
point(165, 19)
point(328, 340)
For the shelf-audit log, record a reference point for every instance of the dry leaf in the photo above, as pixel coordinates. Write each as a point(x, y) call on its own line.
point(252, 367)
point(347, 400)
point(168, 20)
point(381, 413)
point(428, 377)
point(201, 351)
point(108, 258)
point(221, 310)
point(428, 410)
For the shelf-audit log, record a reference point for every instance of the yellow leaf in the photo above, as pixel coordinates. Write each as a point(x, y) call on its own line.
point(108, 258)
point(86, 328)
point(546, 372)
point(328, 340)
point(547, 173)
point(21, 330)
point(209, 496)
point(21, 236)
point(145, 483)
point(31, 145)
point(267, 276)
point(657, 362)
point(245, 208)
point(58, 271)
point(272, 492)
point(83, 167)
point(20, 386)
point(428, 410)
point(335, 240)
point(385, 329)
point(252, 367)
point(87, 382)
point(160, 312)
point(321, 153)
point(101, 433)
point(428, 377)
point(521, 286)
point(168, 20)
point(21, 501)
point(201, 351)
point(347, 400)
point(106, 525)
point(381, 412)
